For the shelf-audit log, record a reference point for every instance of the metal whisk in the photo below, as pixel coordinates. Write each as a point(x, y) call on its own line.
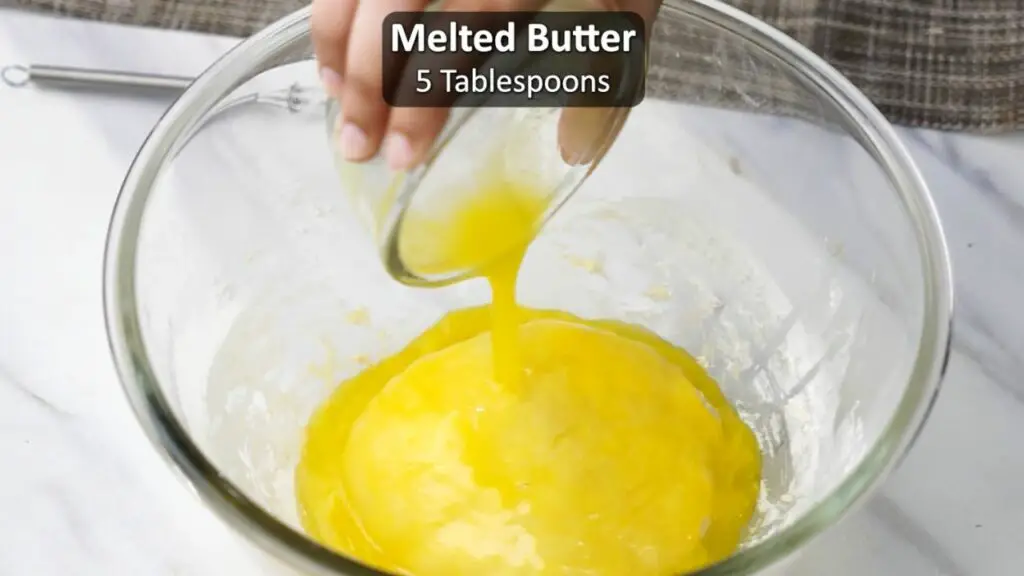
point(294, 98)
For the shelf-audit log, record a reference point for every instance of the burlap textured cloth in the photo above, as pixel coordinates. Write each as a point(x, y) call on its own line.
point(946, 64)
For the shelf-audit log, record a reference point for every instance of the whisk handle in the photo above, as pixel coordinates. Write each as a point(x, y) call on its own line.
point(92, 79)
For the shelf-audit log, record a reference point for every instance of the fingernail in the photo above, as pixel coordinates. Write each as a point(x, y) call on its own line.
point(331, 81)
point(571, 157)
point(398, 151)
point(353, 142)
point(574, 157)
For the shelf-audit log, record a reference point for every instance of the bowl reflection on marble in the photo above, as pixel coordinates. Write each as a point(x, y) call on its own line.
point(240, 288)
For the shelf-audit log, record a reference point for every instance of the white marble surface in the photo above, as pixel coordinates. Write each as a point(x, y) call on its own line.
point(83, 493)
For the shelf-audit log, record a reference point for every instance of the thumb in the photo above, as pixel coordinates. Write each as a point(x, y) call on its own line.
point(586, 134)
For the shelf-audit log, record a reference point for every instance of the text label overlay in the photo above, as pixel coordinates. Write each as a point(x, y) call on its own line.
point(514, 59)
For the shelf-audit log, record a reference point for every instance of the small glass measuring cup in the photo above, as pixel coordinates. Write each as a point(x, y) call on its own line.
point(528, 145)
point(520, 142)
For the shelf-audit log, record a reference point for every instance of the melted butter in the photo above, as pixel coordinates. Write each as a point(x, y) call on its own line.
point(507, 440)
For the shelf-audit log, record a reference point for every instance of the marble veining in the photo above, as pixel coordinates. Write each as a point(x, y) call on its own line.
point(83, 492)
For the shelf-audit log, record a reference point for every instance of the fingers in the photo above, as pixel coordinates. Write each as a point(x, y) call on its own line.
point(347, 41)
point(647, 9)
point(331, 21)
point(364, 113)
point(494, 5)
point(412, 131)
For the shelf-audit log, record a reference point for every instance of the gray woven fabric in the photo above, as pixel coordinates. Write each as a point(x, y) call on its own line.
point(947, 64)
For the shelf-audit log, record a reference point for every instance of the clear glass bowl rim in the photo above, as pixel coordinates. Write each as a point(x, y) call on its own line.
point(172, 441)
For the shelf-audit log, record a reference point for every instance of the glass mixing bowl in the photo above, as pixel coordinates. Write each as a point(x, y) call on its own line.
point(240, 287)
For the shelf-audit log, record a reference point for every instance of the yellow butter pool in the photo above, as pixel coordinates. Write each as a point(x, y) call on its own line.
point(507, 440)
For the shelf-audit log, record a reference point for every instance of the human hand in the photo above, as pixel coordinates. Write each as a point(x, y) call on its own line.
point(348, 45)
